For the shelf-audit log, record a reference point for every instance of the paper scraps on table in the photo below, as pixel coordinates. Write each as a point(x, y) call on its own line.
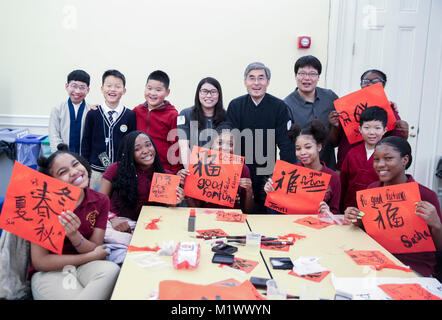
point(316, 277)
point(313, 222)
point(307, 265)
point(239, 264)
point(407, 291)
point(292, 236)
point(212, 233)
point(231, 216)
point(149, 260)
point(376, 259)
point(131, 248)
point(152, 225)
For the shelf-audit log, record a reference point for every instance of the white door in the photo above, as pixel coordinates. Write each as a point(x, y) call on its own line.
point(389, 35)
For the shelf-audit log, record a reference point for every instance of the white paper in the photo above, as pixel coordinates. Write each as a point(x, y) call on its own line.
point(307, 265)
point(149, 260)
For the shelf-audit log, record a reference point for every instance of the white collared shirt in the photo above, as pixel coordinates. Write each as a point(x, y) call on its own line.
point(118, 110)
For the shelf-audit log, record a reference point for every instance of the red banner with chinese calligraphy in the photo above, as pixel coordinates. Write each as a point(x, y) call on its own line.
point(298, 190)
point(33, 204)
point(351, 106)
point(163, 188)
point(390, 219)
point(214, 176)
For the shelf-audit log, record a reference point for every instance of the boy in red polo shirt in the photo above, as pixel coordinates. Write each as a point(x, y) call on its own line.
point(158, 118)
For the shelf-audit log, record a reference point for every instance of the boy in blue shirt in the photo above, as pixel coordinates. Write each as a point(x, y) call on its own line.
point(66, 121)
point(106, 126)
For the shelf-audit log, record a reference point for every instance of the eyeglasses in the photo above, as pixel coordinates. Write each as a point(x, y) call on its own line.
point(77, 87)
point(310, 75)
point(205, 92)
point(365, 82)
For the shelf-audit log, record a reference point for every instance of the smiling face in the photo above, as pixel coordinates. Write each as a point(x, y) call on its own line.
point(77, 91)
point(256, 83)
point(67, 168)
point(113, 89)
point(208, 96)
point(155, 93)
point(307, 79)
point(372, 132)
point(307, 150)
point(225, 142)
point(144, 152)
point(389, 165)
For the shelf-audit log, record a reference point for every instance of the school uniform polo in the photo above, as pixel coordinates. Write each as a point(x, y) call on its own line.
point(356, 174)
point(92, 212)
point(158, 123)
point(422, 262)
point(302, 112)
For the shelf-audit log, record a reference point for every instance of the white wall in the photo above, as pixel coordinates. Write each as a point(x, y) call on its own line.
point(42, 41)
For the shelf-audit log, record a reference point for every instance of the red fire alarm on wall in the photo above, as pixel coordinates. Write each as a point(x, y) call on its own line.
point(304, 42)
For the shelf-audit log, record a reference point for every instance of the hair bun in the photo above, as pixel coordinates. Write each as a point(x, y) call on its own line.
point(62, 147)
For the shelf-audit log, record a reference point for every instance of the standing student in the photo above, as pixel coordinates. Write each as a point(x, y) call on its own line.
point(263, 121)
point(337, 135)
point(197, 124)
point(392, 157)
point(225, 142)
point(90, 276)
point(158, 118)
point(309, 102)
point(66, 122)
point(106, 126)
point(309, 142)
point(357, 169)
point(127, 182)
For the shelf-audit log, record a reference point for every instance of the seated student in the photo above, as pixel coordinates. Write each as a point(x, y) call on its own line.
point(337, 135)
point(392, 157)
point(91, 277)
point(308, 144)
point(194, 123)
point(158, 118)
point(127, 183)
point(357, 169)
point(66, 122)
point(106, 125)
point(225, 142)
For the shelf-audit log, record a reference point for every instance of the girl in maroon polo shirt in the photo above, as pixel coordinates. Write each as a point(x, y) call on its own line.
point(80, 272)
point(127, 182)
point(392, 157)
point(308, 143)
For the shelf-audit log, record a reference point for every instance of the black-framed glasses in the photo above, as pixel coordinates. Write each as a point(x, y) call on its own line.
point(366, 82)
point(205, 92)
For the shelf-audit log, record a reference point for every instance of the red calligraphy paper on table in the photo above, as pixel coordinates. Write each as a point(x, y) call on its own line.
point(163, 188)
point(351, 106)
point(231, 216)
point(212, 233)
point(177, 290)
point(368, 257)
point(240, 264)
point(214, 176)
point(390, 218)
point(298, 190)
point(32, 205)
point(408, 291)
point(313, 222)
point(275, 247)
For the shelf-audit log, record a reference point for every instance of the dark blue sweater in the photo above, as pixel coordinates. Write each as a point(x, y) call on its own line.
point(101, 136)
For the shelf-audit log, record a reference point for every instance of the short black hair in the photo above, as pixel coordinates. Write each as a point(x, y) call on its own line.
point(114, 73)
point(374, 113)
point(308, 61)
point(160, 76)
point(381, 74)
point(79, 75)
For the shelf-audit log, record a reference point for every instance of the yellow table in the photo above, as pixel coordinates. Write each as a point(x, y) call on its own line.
point(136, 282)
point(329, 244)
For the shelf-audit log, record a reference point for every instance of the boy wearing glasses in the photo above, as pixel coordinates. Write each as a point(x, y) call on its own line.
point(309, 102)
point(66, 121)
point(158, 118)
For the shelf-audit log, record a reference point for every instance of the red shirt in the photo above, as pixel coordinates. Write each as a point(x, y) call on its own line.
point(356, 174)
point(157, 123)
point(93, 212)
point(333, 195)
point(422, 262)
